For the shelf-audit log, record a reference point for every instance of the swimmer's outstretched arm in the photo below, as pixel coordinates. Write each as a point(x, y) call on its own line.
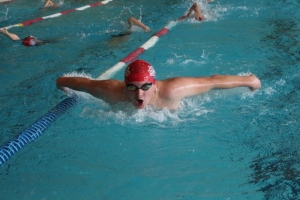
point(81, 84)
point(184, 87)
point(12, 36)
point(136, 22)
point(111, 91)
point(194, 11)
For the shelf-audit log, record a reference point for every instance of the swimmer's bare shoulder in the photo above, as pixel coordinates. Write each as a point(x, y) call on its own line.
point(169, 89)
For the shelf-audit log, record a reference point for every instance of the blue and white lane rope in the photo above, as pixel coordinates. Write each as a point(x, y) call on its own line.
point(35, 130)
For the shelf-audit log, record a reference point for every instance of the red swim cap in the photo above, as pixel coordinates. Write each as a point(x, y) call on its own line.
point(29, 41)
point(139, 71)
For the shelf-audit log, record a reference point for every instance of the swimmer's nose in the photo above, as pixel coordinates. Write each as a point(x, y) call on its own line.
point(139, 92)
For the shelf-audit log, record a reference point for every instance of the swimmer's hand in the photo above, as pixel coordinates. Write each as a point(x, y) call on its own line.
point(3, 30)
point(147, 29)
point(255, 84)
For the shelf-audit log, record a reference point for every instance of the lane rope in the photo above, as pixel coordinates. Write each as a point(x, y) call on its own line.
point(133, 55)
point(37, 128)
point(29, 22)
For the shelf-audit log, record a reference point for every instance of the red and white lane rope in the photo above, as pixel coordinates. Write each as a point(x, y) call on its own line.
point(29, 22)
point(133, 55)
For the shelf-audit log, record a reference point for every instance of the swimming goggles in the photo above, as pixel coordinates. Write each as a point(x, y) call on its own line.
point(144, 87)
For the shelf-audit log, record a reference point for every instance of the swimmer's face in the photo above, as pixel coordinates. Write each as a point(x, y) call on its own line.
point(140, 93)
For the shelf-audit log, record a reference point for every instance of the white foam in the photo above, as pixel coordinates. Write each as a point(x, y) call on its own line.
point(4, 14)
point(184, 60)
point(170, 61)
point(125, 113)
point(188, 61)
point(60, 3)
point(76, 74)
point(281, 82)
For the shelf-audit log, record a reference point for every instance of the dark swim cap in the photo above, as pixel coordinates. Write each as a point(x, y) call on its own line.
point(29, 41)
point(139, 71)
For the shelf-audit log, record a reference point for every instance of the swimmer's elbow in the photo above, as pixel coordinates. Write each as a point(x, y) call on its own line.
point(59, 81)
point(62, 80)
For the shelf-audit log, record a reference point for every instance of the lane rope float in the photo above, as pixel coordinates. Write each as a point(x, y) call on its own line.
point(37, 128)
point(29, 22)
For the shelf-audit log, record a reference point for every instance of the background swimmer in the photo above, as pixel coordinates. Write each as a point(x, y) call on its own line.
point(123, 36)
point(50, 3)
point(27, 41)
point(194, 12)
point(133, 22)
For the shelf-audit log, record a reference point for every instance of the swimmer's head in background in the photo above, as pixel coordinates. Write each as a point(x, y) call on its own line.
point(139, 71)
point(29, 41)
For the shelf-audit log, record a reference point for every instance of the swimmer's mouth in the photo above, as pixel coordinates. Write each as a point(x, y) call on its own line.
point(139, 101)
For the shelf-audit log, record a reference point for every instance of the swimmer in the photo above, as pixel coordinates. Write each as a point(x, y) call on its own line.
point(142, 89)
point(132, 21)
point(49, 3)
point(27, 41)
point(194, 12)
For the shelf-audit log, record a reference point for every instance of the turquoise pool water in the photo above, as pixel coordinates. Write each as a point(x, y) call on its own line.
point(229, 144)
